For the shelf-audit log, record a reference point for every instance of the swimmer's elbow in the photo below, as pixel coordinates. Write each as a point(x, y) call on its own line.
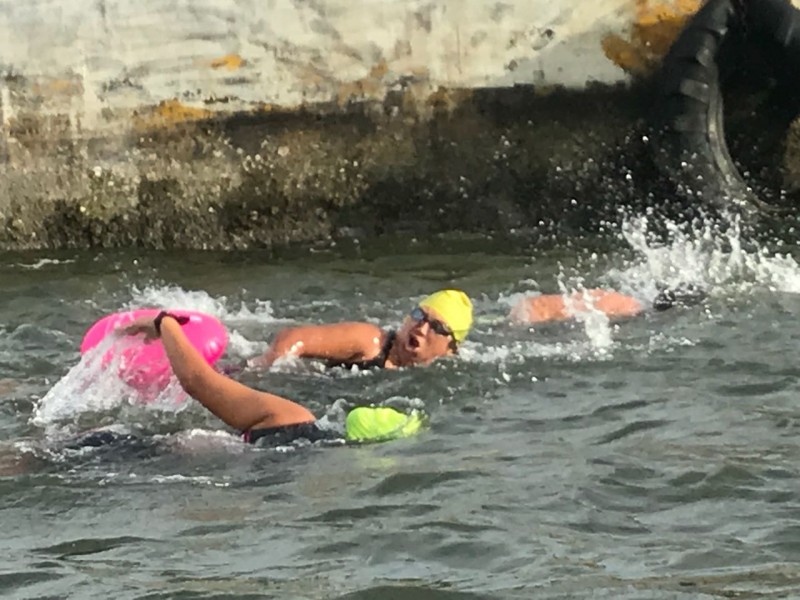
point(281, 341)
point(277, 349)
point(287, 343)
point(194, 382)
point(520, 312)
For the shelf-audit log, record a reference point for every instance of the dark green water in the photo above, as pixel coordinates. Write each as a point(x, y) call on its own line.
point(652, 458)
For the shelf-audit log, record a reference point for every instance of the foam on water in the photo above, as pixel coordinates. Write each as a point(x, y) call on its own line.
point(239, 345)
point(719, 262)
point(199, 441)
point(44, 262)
point(596, 324)
point(517, 351)
point(193, 479)
point(94, 385)
point(233, 314)
point(222, 307)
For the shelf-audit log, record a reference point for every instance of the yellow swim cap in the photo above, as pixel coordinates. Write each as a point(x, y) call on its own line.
point(455, 308)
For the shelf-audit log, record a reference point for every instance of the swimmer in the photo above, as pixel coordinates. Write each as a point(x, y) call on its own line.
point(547, 308)
point(257, 414)
point(433, 329)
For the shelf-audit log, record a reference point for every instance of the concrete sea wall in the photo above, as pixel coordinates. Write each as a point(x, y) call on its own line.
point(239, 124)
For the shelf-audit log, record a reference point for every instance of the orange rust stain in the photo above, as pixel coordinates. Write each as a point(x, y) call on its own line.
point(266, 107)
point(379, 70)
point(372, 86)
point(232, 62)
point(168, 114)
point(656, 25)
point(447, 99)
point(58, 87)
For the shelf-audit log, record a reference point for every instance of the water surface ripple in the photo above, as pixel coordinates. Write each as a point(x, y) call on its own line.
point(652, 458)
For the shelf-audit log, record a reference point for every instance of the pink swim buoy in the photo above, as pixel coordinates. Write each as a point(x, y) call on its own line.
point(145, 365)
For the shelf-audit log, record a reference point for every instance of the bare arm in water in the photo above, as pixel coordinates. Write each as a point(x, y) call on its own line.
point(340, 342)
point(555, 307)
point(238, 405)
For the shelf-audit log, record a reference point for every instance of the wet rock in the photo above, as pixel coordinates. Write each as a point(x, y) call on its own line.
point(476, 161)
point(792, 160)
point(492, 161)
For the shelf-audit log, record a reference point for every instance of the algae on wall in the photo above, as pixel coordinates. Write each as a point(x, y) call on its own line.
point(481, 161)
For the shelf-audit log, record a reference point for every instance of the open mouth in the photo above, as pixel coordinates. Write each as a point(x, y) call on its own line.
point(413, 342)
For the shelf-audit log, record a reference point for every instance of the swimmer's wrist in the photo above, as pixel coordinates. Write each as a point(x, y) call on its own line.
point(163, 315)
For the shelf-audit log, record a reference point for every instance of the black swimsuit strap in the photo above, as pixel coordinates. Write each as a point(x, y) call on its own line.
point(284, 434)
point(379, 362)
point(387, 347)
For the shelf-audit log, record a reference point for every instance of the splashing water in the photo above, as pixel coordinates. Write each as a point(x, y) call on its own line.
point(95, 385)
point(219, 307)
point(176, 297)
point(595, 323)
point(716, 261)
point(596, 326)
point(706, 257)
point(44, 262)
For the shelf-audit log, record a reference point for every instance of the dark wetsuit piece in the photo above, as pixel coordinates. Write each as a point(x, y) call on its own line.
point(688, 295)
point(99, 438)
point(269, 436)
point(286, 434)
point(379, 362)
point(130, 444)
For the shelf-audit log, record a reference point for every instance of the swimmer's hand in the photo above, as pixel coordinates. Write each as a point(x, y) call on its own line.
point(151, 328)
point(145, 325)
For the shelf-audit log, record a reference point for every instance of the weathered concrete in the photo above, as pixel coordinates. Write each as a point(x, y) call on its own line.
point(84, 59)
point(238, 124)
point(485, 161)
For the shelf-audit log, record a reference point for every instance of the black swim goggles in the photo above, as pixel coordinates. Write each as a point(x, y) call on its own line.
point(420, 316)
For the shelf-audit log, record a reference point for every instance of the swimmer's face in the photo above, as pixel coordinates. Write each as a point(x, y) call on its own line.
point(424, 337)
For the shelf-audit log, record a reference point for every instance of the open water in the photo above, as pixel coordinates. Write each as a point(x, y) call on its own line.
point(657, 457)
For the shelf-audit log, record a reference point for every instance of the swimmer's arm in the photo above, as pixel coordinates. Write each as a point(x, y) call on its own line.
point(539, 309)
point(553, 307)
point(350, 341)
point(610, 303)
point(238, 405)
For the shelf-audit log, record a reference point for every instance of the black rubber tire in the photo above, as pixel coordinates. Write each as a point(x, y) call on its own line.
point(687, 124)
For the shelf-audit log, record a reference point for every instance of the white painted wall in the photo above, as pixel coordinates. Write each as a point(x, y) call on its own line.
point(125, 53)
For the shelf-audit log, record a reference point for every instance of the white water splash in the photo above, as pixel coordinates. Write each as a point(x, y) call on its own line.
point(43, 263)
point(183, 479)
point(232, 314)
point(239, 345)
point(176, 297)
point(200, 441)
point(89, 385)
point(596, 324)
point(95, 385)
point(516, 352)
point(709, 259)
